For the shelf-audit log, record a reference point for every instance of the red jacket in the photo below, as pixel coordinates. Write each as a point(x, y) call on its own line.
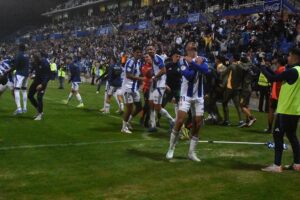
point(146, 71)
point(276, 86)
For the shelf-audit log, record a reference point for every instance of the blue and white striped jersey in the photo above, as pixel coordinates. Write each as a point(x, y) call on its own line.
point(192, 78)
point(158, 64)
point(133, 67)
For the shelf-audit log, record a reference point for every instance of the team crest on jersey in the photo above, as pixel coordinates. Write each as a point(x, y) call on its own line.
point(183, 67)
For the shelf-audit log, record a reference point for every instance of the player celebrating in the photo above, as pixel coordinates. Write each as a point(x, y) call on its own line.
point(21, 79)
point(75, 80)
point(157, 89)
point(41, 67)
point(130, 88)
point(193, 69)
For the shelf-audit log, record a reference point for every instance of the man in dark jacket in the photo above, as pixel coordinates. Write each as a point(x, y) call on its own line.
point(41, 68)
point(232, 89)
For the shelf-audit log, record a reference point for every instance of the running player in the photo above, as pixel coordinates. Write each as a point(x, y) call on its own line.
point(130, 89)
point(193, 68)
point(157, 89)
point(115, 83)
point(75, 79)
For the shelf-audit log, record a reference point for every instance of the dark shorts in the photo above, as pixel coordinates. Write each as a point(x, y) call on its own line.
point(245, 99)
point(168, 97)
point(273, 103)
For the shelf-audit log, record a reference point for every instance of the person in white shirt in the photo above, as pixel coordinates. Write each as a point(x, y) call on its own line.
point(193, 68)
point(130, 88)
point(157, 89)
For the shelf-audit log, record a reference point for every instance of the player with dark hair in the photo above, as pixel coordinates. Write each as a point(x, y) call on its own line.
point(21, 65)
point(75, 80)
point(115, 71)
point(42, 71)
point(193, 68)
point(157, 90)
point(130, 88)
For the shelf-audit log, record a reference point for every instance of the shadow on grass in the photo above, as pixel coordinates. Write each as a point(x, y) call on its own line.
point(239, 165)
point(19, 117)
point(256, 131)
point(153, 155)
point(146, 154)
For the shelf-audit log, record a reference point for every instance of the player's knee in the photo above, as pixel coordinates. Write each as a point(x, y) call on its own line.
point(179, 121)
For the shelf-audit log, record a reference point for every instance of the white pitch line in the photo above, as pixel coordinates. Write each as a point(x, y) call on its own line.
point(231, 142)
point(38, 146)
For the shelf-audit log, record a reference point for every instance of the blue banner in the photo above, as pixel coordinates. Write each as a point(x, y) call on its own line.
point(273, 6)
point(175, 21)
point(56, 36)
point(242, 11)
point(143, 25)
point(104, 30)
point(82, 33)
point(194, 18)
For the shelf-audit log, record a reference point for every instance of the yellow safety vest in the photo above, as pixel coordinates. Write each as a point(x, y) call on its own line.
point(101, 72)
point(53, 67)
point(263, 81)
point(61, 73)
point(289, 97)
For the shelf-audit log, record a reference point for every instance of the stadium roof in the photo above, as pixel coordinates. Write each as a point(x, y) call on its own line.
point(56, 11)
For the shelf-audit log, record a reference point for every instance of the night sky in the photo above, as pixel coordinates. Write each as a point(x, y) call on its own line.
point(15, 14)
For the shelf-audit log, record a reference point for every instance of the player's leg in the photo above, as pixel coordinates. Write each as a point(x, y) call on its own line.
point(31, 93)
point(24, 94)
point(137, 108)
point(152, 112)
point(128, 100)
point(17, 88)
point(184, 107)
point(158, 100)
point(73, 86)
point(120, 99)
point(145, 118)
point(116, 98)
point(110, 93)
point(105, 96)
point(78, 96)
point(40, 107)
point(197, 109)
point(79, 99)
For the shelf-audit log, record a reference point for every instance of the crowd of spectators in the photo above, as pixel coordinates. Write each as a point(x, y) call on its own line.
point(269, 32)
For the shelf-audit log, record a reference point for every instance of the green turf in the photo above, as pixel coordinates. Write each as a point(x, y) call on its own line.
point(133, 166)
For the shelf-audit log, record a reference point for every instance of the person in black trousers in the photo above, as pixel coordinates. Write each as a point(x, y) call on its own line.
point(41, 67)
point(288, 110)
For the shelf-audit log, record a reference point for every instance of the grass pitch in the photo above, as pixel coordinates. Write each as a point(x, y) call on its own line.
point(81, 154)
